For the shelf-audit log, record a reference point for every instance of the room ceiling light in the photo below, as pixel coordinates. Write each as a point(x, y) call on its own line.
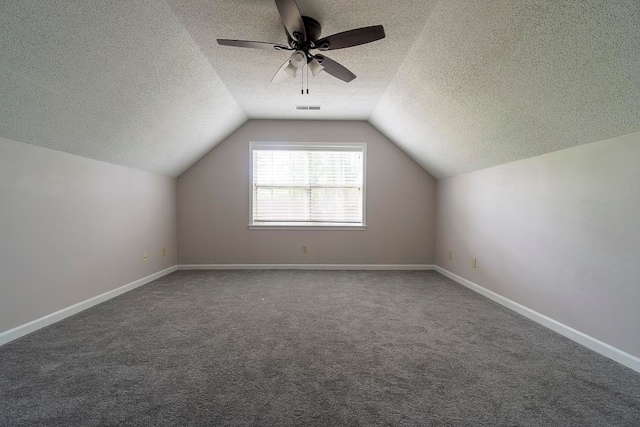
point(291, 69)
point(315, 67)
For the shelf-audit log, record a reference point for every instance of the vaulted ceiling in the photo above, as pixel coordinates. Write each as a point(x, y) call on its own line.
point(458, 85)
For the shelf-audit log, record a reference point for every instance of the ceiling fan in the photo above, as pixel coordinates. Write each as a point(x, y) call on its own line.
point(303, 35)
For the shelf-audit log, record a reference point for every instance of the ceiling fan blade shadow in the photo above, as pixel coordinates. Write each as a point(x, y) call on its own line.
point(335, 69)
point(291, 18)
point(252, 45)
point(351, 38)
point(284, 72)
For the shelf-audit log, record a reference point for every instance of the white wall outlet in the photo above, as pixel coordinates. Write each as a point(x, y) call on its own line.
point(164, 251)
point(304, 249)
point(450, 254)
point(145, 258)
point(474, 263)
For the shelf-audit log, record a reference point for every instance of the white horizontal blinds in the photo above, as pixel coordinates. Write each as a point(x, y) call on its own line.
point(307, 185)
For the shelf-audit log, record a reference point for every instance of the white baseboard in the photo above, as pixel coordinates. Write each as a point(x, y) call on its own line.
point(47, 320)
point(306, 267)
point(594, 344)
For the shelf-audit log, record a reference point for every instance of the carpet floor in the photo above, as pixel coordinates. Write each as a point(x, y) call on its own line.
point(325, 348)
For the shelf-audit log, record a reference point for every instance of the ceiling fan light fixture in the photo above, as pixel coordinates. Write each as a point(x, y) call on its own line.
point(298, 59)
point(315, 67)
point(291, 69)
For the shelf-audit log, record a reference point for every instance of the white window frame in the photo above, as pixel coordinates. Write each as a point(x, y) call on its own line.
point(361, 146)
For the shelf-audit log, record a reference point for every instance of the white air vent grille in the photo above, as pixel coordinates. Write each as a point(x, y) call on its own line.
point(308, 107)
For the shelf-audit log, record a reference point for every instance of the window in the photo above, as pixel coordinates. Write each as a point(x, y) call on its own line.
point(302, 185)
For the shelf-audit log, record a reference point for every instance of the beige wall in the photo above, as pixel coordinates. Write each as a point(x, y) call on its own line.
point(559, 233)
point(72, 228)
point(213, 204)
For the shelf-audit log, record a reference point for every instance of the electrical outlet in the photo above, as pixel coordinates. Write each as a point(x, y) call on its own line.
point(144, 257)
point(304, 249)
point(164, 251)
point(474, 263)
point(450, 255)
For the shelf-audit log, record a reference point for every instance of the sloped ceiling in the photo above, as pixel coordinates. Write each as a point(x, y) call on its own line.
point(118, 81)
point(459, 85)
point(489, 82)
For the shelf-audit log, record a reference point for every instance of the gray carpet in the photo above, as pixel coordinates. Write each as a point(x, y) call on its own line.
point(308, 348)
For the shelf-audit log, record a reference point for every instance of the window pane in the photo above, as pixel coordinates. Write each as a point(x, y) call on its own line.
point(277, 167)
point(336, 204)
point(307, 185)
point(281, 204)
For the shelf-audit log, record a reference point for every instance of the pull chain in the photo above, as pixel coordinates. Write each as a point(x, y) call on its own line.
point(302, 80)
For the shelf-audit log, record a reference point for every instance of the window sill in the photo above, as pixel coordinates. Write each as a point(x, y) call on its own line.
point(319, 226)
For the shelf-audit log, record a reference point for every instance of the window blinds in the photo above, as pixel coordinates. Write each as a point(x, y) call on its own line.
point(308, 185)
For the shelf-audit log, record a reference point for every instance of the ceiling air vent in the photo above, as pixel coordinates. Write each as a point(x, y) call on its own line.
point(308, 107)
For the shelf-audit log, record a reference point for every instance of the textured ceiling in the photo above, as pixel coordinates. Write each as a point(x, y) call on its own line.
point(488, 82)
point(459, 85)
point(118, 81)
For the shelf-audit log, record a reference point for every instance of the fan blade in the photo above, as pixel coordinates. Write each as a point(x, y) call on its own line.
point(291, 18)
point(351, 38)
point(335, 69)
point(284, 72)
point(253, 45)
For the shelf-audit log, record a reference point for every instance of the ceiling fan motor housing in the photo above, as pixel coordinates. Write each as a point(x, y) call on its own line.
point(312, 27)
